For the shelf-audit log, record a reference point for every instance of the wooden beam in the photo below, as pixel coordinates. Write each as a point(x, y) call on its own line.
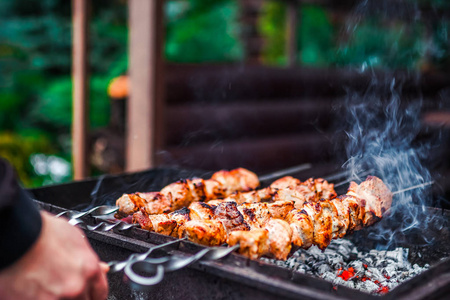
point(291, 39)
point(80, 88)
point(145, 102)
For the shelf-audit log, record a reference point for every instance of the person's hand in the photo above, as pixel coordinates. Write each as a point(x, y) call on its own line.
point(60, 265)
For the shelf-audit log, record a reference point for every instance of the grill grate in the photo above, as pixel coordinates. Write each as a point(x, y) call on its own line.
point(239, 278)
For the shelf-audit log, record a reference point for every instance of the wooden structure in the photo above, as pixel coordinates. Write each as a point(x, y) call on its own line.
point(80, 88)
point(212, 117)
point(145, 108)
point(145, 102)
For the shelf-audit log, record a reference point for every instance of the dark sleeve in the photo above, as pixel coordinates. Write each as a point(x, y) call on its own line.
point(20, 221)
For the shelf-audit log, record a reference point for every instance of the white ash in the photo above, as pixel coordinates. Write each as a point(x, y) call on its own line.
point(372, 271)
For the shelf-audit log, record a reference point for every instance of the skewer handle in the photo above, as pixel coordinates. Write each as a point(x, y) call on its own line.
point(159, 266)
point(75, 219)
point(104, 226)
point(96, 211)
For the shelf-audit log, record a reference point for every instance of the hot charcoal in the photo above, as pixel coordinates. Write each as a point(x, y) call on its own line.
point(374, 271)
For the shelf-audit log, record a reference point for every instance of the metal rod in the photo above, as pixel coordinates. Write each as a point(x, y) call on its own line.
point(103, 226)
point(116, 266)
point(104, 210)
point(362, 174)
point(413, 187)
point(284, 172)
point(96, 212)
point(337, 175)
point(158, 266)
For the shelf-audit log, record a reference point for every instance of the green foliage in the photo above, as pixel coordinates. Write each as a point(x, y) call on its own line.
point(398, 46)
point(54, 105)
point(315, 34)
point(35, 78)
point(202, 31)
point(108, 37)
point(17, 149)
point(373, 41)
point(272, 26)
point(315, 37)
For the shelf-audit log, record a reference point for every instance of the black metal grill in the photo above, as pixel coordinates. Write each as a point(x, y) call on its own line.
point(237, 277)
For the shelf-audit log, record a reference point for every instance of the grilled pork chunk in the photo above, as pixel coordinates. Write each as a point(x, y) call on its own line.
point(206, 232)
point(160, 223)
point(239, 179)
point(321, 215)
point(255, 214)
point(375, 197)
point(201, 211)
point(229, 215)
point(180, 216)
point(302, 228)
point(253, 244)
point(280, 209)
point(280, 235)
point(312, 190)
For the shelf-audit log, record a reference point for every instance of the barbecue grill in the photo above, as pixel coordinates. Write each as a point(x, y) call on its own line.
point(236, 277)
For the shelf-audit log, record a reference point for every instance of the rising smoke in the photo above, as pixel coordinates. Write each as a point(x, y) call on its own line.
point(381, 134)
point(382, 124)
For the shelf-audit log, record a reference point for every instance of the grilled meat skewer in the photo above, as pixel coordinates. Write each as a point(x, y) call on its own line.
point(275, 226)
point(237, 185)
point(182, 193)
point(317, 223)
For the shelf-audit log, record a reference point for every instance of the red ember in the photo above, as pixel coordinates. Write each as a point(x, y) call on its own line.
point(383, 290)
point(347, 274)
point(350, 273)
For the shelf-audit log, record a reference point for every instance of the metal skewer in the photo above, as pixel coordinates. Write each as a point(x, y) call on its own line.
point(75, 217)
point(413, 187)
point(362, 174)
point(116, 266)
point(103, 226)
point(105, 210)
point(157, 267)
point(102, 210)
point(284, 172)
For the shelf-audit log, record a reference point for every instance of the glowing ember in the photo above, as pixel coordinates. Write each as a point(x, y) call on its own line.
point(383, 290)
point(347, 274)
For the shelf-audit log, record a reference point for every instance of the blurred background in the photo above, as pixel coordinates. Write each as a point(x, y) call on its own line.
point(257, 84)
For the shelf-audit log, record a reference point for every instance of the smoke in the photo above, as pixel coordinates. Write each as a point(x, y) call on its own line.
point(382, 125)
point(381, 134)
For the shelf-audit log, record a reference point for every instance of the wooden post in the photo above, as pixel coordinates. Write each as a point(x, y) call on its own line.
point(145, 102)
point(250, 11)
point(291, 40)
point(80, 88)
